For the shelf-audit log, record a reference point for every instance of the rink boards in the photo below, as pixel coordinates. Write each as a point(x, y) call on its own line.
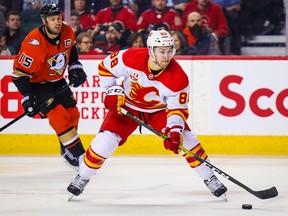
point(238, 105)
point(149, 144)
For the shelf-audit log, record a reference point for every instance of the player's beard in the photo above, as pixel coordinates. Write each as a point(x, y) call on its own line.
point(50, 31)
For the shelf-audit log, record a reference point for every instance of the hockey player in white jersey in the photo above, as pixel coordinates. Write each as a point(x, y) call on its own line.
point(154, 88)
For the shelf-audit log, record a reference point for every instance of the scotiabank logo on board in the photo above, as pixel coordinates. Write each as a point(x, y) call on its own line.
point(277, 98)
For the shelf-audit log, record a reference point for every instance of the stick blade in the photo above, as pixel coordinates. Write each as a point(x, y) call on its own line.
point(267, 194)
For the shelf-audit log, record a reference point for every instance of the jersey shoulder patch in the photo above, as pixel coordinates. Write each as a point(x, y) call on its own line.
point(34, 42)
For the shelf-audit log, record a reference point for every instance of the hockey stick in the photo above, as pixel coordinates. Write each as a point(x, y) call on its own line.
point(263, 194)
point(24, 114)
point(12, 122)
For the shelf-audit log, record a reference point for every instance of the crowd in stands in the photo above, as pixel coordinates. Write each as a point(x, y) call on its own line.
point(199, 27)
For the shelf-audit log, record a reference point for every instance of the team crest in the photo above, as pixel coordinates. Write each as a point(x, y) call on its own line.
point(144, 95)
point(58, 63)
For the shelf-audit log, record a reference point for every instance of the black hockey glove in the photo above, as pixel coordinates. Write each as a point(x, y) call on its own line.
point(76, 74)
point(29, 105)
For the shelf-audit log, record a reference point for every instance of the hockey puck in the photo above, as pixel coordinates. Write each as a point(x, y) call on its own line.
point(246, 206)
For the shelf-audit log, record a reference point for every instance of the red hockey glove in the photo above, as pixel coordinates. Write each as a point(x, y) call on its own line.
point(114, 99)
point(175, 139)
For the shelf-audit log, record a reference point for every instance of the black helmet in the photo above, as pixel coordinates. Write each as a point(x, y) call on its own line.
point(50, 10)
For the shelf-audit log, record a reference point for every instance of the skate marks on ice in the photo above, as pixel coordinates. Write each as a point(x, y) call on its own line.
point(139, 186)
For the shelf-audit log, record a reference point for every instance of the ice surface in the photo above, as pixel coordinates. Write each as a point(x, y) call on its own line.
point(140, 186)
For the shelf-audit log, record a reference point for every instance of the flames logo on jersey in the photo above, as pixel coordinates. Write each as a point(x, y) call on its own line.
point(144, 95)
point(58, 63)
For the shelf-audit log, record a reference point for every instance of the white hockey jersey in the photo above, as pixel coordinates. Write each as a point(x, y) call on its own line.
point(145, 91)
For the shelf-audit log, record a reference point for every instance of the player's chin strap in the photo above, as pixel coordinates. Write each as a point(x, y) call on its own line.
point(263, 194)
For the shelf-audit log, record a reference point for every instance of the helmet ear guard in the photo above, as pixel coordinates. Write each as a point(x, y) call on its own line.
point(159, 38)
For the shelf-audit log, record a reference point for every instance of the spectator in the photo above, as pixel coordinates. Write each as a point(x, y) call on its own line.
point(200, 36)
point(231, 10)
point(112, 37)
point(145, 33)
point(13, 32)
point(116, 11)
point(122, 33)
point(136, 39)
point(75, 23)
point(159, 13)
point(98, 32)
point(4, 49)
point(181, 45)
point(85, 45)
point(213, 16)
point(30, 15)
point(87, 19)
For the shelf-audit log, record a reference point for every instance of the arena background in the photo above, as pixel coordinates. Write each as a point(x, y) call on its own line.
point(238, 105)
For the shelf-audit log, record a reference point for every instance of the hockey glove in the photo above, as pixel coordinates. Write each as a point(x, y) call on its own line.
point(114, 99)
point(175, 139)
point(76, 74)
point(29, 105)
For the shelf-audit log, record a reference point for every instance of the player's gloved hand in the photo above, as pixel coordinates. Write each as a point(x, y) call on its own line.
point(114, 99)
point(29, 105)
point(175, 139)
point(76, 74)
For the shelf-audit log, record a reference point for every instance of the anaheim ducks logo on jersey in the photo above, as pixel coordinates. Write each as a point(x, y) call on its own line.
point(34, 42)
point(144, 95)
point(58, 63)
